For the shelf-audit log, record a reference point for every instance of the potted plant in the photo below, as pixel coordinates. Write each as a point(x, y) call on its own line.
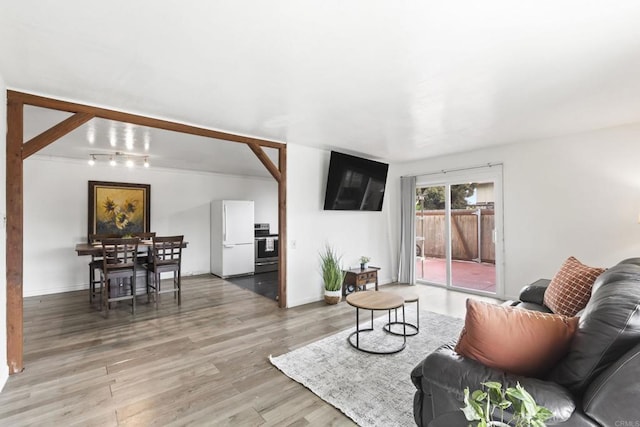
point(485, 406)
point(332, 275)
point(364, 260)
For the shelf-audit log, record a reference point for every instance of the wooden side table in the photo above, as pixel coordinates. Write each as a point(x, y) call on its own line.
point(356, 279)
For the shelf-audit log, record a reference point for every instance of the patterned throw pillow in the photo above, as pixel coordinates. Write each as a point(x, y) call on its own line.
point(570, 289)
point(522, 342)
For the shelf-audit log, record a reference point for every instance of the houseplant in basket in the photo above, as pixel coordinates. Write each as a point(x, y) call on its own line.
point(332, 275)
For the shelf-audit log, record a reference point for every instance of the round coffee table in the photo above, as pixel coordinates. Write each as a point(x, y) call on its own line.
point(374, 300)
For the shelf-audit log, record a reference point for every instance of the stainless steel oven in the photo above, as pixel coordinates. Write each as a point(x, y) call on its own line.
point(266, 247)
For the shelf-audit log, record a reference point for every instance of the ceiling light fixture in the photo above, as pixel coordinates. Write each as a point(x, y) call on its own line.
point(129, 159)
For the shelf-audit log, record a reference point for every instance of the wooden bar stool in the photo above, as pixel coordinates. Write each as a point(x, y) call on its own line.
point(166, 257)
point(118, 272)
point(96, 264)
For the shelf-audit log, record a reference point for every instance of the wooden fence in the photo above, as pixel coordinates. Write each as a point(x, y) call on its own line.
point(468, 234)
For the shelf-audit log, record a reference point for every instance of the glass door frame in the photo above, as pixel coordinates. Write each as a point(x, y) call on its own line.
point(492, 173)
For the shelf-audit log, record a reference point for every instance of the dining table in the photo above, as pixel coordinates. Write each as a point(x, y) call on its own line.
point(95, 249)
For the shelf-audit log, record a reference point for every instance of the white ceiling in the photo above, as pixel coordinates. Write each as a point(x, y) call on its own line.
point(389, 80)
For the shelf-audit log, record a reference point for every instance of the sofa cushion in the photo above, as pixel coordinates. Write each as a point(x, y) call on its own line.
point(518, 341)
point(609, 327)
point(570, 288)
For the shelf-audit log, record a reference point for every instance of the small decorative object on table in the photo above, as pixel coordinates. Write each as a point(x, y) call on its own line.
point(485, 406)
point(364, 260)
point(332, 275)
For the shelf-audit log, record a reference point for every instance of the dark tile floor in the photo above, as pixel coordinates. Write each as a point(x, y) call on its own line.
point(265, 284)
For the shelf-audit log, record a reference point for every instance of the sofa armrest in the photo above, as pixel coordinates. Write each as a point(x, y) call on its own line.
point(613, 396)
point(451, 372)
point(534, 292)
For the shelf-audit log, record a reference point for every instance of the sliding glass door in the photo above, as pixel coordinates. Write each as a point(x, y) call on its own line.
point(431, 234)
point(458, 221)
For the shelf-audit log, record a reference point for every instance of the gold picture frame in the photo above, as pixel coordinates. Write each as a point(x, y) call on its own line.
point(119, 208)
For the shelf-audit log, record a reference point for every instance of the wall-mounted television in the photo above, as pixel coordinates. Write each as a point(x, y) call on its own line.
point(355, 183)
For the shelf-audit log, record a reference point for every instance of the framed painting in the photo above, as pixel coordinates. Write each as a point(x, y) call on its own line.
point(119, 208)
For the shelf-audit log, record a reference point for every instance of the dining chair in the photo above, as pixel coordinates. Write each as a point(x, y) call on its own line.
point(95, 264)
point(118, 271)
point(166, 256)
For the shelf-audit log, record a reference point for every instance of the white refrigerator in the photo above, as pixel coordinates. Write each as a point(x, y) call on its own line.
point(232, 237)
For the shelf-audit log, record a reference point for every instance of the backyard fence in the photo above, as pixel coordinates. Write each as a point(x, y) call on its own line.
point(471, 234)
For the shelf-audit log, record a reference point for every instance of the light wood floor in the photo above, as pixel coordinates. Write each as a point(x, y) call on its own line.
point(203, 363)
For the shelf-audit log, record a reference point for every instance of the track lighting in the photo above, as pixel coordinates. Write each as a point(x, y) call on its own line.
point(130, 160)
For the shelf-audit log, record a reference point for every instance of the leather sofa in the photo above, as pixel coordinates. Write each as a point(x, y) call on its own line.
point(596, 384)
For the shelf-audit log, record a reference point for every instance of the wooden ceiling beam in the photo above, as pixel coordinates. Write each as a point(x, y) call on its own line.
point(266, 161)
point(54, 133)
point(104, 113)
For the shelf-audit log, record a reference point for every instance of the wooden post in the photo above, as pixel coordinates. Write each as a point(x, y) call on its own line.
point(15, 344)
point(282, 227)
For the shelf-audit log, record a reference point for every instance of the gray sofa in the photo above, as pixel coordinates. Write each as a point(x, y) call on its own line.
point(596, 384)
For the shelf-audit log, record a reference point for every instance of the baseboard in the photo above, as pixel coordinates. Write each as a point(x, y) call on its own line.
point(56, 290)
point(303, 301)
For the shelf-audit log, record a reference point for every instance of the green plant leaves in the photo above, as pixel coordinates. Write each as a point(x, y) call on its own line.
point(472, 410)
point(481, 406)
point(332, 273)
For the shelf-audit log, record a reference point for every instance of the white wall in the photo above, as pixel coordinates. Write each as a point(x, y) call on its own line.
point(576, 195)
point(310, 227)
point(56, 205)
point(4, 367)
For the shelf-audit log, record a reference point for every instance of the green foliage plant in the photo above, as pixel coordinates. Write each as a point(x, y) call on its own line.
point(332, 273)
point(432, 198)
point(485, 406)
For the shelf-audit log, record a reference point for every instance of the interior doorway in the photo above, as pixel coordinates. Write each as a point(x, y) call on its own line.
point(458, 226)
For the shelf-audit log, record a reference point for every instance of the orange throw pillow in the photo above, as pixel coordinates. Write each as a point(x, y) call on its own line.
point(570, 289)
point(519, 341)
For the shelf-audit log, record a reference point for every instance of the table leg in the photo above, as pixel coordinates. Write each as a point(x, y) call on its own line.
point(404, 326)
point(357, 327)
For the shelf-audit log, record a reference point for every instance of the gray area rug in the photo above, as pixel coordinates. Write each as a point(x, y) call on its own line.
point(372, 390)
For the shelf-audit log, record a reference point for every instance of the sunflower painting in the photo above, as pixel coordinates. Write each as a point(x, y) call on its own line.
point(118, 208)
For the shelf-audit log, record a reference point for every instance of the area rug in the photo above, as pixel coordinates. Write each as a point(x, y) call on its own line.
point(372, 390)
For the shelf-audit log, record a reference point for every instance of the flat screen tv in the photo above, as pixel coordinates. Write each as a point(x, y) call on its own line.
point(354, 183)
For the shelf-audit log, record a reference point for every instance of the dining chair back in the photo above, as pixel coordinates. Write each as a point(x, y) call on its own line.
point(144, 236)
point(166, 257)
point(144, 254)
point(118, 271)
point(95, 264)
